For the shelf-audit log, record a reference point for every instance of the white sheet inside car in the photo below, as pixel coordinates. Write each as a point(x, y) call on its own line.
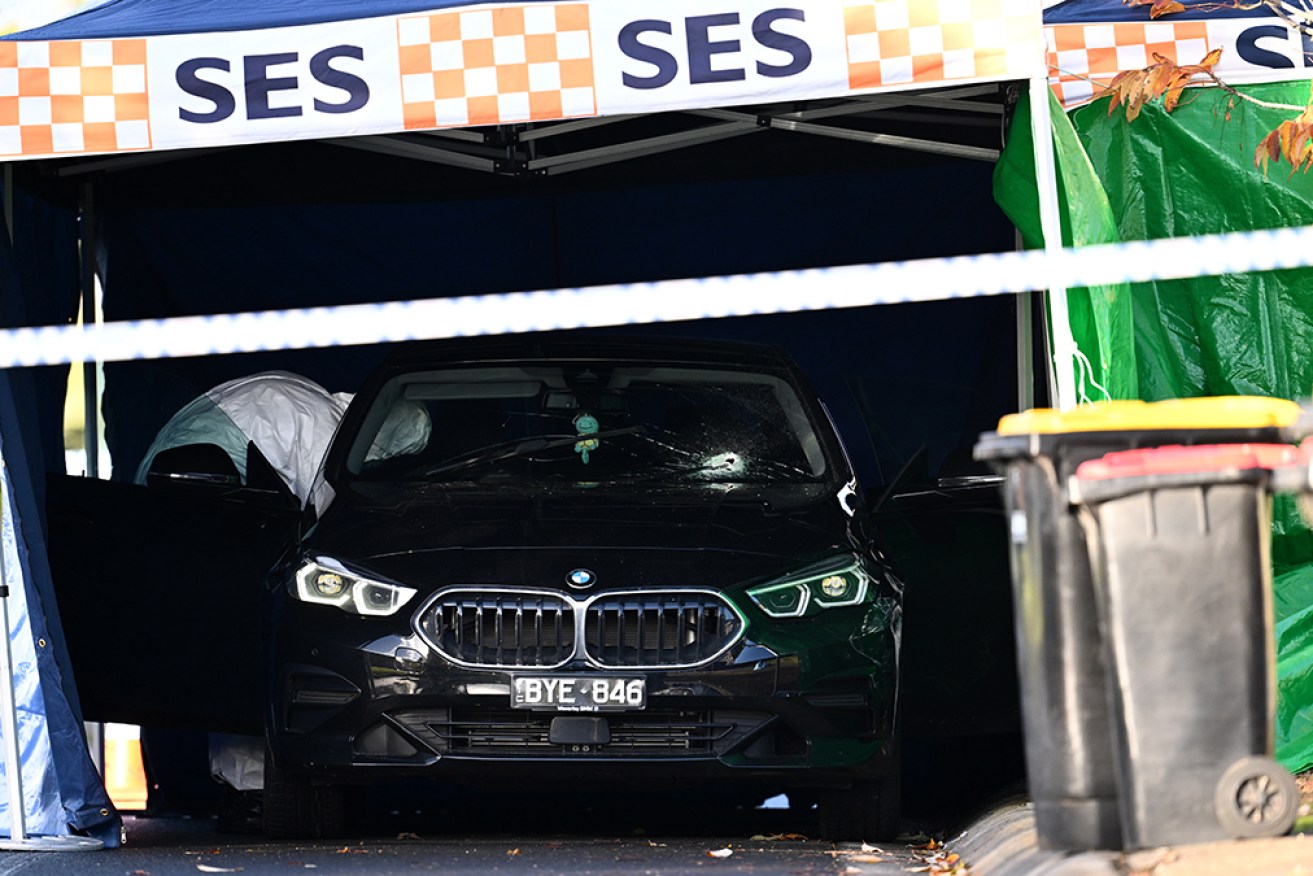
point(290, 418)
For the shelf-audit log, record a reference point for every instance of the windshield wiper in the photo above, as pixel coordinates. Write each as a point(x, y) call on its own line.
point(517, 447)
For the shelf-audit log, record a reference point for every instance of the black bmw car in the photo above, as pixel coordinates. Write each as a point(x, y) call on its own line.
point(579, 562)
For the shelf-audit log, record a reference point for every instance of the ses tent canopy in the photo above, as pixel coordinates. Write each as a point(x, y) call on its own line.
point(132, 78)
point(135, 77)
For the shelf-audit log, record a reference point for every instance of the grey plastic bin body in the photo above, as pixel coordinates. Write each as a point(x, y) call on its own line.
point(1070, 765)
point(1184, 588)
point(1064, 706)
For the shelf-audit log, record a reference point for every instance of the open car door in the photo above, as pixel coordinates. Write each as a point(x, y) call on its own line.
point(162, 587)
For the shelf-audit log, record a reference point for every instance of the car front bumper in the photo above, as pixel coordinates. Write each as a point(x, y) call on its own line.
point(786, 715)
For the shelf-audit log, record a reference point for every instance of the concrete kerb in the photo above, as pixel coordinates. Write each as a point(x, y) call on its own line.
point(1003, 842)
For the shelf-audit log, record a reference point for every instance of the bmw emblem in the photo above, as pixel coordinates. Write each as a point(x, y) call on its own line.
point(581, 578)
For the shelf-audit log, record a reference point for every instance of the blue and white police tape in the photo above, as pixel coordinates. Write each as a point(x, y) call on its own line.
point(664, 301)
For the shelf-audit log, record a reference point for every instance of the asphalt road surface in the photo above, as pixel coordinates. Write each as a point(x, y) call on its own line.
point(521, 835)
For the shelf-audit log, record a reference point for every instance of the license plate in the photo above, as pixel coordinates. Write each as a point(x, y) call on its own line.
point(578, 693)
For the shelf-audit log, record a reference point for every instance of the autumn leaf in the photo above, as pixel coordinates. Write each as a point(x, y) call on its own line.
point(1165, 7)
point(1163, 78)
point(1158, 8)
point(1292, 140)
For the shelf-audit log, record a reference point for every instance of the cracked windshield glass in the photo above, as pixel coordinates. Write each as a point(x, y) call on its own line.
point(595, 422)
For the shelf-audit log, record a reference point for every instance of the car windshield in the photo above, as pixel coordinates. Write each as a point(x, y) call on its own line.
point(587, 422)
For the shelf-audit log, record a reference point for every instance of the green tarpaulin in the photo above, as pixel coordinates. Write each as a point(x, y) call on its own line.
point(1167, 175)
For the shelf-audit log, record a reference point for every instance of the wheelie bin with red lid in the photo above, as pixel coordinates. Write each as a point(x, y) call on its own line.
point(1179, 540)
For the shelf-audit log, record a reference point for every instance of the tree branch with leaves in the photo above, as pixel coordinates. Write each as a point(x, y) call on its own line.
point(1292, 140)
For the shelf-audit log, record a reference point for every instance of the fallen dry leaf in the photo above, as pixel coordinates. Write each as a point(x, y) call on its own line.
point(206, 868)
point(139, 873)
point(862, 856)
point(778, 837)
point(942, 863)
point(511, 853)
point(720, 853)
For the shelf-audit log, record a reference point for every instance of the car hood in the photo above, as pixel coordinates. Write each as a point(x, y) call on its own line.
point(634, 539)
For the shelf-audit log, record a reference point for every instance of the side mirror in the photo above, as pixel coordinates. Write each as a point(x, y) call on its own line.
point(201, 464)
point(207, 468)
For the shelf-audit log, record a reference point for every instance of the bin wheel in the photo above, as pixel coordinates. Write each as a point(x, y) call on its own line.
point(1256, 797)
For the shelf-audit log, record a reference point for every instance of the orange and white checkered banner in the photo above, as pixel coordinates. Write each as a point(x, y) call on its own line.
point(73, 97)
point(1084, 58)
point(493, 64)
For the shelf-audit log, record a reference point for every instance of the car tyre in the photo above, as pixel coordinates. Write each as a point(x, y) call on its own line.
point(294, 808)
point(868, 811)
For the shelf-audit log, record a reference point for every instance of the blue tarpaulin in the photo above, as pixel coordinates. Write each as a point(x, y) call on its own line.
point(62, 789)
point(1093, 11)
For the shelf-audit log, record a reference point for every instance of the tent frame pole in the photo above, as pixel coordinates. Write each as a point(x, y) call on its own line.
point(9, 200)
point(1059, 323)
point(1025, 303)
point(90, 316)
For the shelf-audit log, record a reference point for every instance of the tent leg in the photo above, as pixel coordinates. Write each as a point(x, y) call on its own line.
point(1025, 304)
point(1025, 351)
point(9, 199)
point(1064, 345)
point(93, 388)
point(90, 316)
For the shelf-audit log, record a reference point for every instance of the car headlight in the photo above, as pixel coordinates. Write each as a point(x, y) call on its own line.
point(327, 582)
point(834, 585)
